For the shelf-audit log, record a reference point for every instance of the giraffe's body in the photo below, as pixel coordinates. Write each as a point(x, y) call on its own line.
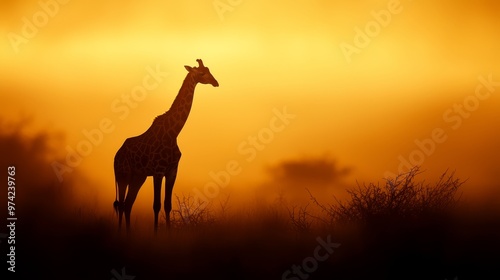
point(165, 151)
point(155, 152)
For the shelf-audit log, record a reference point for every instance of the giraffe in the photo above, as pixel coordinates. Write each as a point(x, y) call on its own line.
point(155, 152)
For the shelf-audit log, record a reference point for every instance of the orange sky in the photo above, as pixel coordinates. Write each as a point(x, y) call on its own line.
point(400, 81)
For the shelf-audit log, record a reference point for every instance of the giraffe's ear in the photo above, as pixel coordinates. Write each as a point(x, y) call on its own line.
point(189, 68)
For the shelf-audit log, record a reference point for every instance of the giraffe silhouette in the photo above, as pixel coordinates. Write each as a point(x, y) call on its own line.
point(155, 152)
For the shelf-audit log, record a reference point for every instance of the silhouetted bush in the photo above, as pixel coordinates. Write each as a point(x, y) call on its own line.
point(401, 197)
point(300, 219)
point(188, 213)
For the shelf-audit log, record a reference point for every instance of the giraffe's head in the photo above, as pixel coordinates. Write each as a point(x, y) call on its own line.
point(202, 74)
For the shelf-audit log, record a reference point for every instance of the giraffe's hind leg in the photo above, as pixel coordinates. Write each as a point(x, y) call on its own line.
point(133, 188)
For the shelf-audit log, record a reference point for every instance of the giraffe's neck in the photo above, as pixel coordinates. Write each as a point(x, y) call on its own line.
point(179, 111)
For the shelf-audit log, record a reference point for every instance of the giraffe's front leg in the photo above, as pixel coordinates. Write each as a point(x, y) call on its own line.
point(169, 185)
point(157, 180)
